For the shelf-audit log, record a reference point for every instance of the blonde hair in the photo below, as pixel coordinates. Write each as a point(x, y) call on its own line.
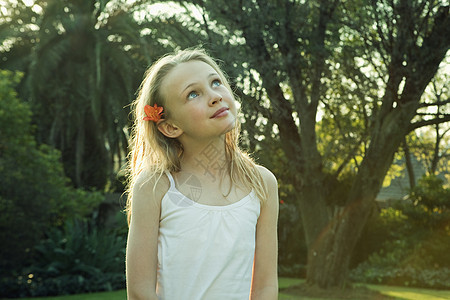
point(155, 153)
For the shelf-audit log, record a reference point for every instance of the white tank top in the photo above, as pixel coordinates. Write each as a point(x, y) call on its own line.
point(205, 252)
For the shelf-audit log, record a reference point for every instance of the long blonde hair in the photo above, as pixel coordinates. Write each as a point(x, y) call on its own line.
point(155, 153)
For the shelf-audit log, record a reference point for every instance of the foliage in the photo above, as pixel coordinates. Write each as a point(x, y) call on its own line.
point(77, 259)
point(34, 193)
point(417, 235)
point(402, 276)
point(383, 225)
point(97, 45)
point(431, 203)
point(431, 145)
point(292, 250)
point(408, 262)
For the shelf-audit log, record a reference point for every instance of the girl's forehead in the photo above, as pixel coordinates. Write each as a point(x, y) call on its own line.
point(189, 72)
point(184, 75)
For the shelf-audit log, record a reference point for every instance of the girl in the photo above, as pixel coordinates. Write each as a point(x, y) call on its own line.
point(202, 215)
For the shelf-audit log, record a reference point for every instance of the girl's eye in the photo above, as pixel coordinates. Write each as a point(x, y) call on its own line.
point(216, 82)
point(192, 95)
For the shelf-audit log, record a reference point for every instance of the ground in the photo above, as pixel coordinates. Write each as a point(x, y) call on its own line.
point(351, 293)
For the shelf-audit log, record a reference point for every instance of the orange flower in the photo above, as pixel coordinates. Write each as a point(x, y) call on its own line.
point(153, 113)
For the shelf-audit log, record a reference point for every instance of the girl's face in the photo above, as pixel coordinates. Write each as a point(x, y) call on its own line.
point(198, 102)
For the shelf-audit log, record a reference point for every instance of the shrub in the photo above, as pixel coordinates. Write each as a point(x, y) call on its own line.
point(429, 204)
point(406, 276)
point(418, 258)
point(382, 226)
point(415, 252)
point(75, 259)
point(292, 247)
point(34, 192)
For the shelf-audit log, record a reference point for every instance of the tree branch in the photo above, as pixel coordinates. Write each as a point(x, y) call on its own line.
point(432, 114)
point(254, 103)
point(419, 124)
point(438, 103)
point(205, 21)
point(266, 65)
point(350, 156)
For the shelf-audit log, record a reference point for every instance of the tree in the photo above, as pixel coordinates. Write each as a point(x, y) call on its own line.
point(287, 58)
point(82, 61)
point(34, 193)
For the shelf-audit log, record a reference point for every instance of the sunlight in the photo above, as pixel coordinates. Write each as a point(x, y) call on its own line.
point(28, 2)
point(167, 9)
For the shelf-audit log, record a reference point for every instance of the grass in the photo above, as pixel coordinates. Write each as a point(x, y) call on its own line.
point(403, 293)
point(116, 295)
point(397, 292)
point(411, 293)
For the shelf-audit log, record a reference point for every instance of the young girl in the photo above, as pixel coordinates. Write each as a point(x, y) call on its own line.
point(202, 215)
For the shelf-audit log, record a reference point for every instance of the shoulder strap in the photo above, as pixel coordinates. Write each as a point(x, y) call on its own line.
point(172, 181)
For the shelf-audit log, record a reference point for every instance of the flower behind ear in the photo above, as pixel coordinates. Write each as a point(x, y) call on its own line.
point(154, 113)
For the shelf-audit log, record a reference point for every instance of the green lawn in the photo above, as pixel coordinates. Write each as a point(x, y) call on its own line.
point(117, 295)
point(398, 292)
point(403, 293)
point(411, 293)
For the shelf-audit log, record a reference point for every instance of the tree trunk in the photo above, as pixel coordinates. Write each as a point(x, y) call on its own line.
point(79, 154)
point(329, 255)
point(409, 166)
point(436, 158)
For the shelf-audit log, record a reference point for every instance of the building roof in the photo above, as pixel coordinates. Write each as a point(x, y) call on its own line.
point(399, 187)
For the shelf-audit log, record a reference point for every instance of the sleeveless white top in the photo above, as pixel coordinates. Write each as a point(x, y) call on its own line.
point(205, 252)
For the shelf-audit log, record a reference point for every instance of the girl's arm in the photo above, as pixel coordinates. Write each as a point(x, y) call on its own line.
point(142, 245)
point(265, 278)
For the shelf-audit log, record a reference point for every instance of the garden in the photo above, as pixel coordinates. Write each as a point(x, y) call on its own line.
point(323, 106)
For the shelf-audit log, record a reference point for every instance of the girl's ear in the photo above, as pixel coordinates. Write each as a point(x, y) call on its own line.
point(168, 129)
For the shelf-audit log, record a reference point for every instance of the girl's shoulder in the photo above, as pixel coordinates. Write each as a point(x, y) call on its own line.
point(270, 185)
point(267, 176)
point(150, 186)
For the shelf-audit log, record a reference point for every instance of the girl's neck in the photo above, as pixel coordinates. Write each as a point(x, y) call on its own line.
point(205, 159)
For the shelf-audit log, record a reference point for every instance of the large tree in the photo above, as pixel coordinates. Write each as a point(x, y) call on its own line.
point(83, 61)
point(363, 64)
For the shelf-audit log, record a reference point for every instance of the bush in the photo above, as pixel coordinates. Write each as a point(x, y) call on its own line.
point(398, 263)
point(382, 226)
point(415, 252)
point(403, 276)
point(34, 192)
point(75, 259)
point(430, 204)
point(292, 247)
point(419, 258)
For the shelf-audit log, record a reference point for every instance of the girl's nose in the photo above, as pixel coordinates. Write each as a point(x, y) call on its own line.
point(214, 98)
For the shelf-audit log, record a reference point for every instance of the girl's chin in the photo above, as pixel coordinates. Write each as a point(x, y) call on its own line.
point(229, 127)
